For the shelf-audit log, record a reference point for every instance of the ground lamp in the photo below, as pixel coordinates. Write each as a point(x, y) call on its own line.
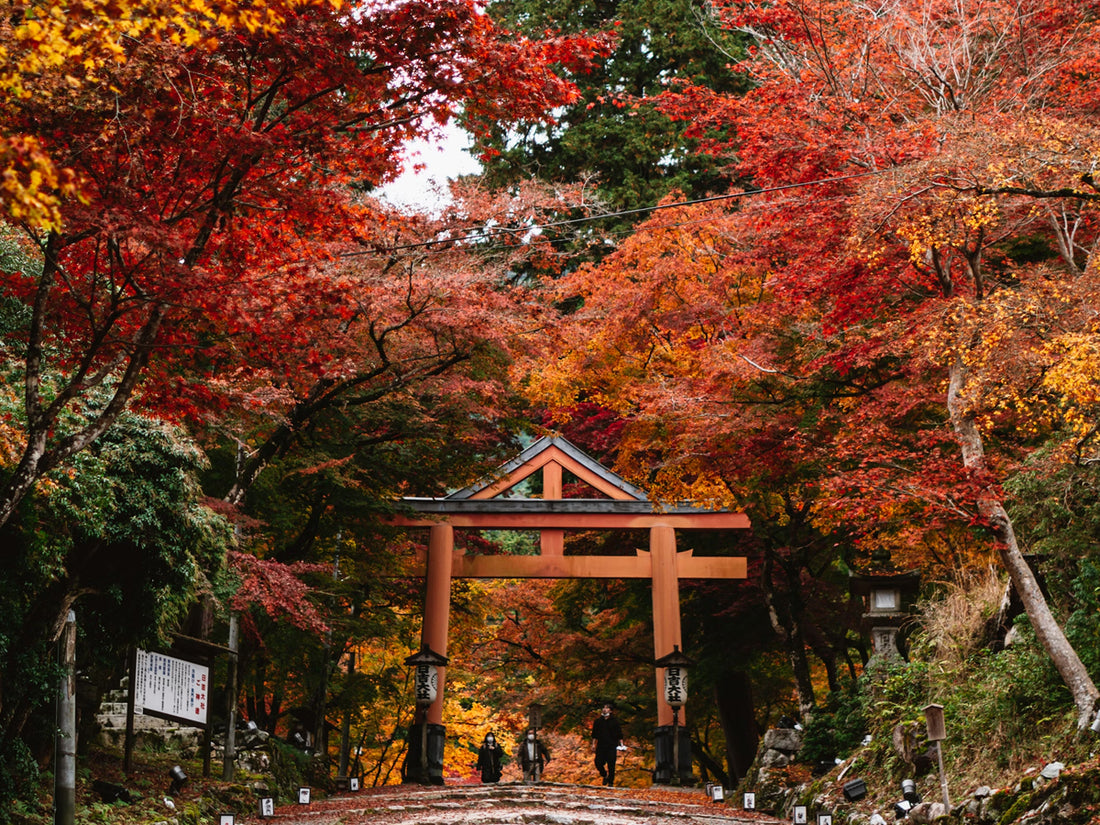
point(425, 688)
point(909, 798)
point(178, 777)
point(937, 732)
point(675, 665)
point(909, 791)
point(855, 790)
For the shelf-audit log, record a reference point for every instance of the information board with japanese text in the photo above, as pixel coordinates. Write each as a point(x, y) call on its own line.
point(176, 688)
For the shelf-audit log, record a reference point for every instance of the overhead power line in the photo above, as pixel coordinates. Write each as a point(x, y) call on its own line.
point(488, 234)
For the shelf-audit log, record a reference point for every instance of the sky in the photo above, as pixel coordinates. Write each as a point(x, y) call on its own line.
point(443, 158)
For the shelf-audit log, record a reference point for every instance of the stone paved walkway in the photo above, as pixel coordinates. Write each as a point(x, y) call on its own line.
point(516, 804)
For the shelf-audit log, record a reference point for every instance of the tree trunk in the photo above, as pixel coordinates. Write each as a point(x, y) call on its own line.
point(40, 456)
point(733, 695)
point(1047, 629)
point(23, 479)
point(786, 624)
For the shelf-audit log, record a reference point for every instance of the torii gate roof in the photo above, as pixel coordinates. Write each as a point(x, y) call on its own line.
point(485, 505)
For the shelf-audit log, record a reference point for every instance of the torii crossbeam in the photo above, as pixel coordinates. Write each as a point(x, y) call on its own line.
point(625, 508)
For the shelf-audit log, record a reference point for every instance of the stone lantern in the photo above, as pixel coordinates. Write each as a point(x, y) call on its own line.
point(887, 598)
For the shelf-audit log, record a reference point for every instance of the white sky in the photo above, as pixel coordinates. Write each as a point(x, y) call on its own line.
point(443, 159)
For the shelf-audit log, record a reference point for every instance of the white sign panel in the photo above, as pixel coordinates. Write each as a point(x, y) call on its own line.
point(676, 685)
point(426, 684)
point(172, 687)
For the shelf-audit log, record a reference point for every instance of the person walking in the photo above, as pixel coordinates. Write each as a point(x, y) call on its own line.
point(533, 756)
point(489, 759)
point(607, 740)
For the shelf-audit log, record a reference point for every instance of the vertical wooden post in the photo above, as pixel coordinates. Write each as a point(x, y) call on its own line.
point(345, 728)
point(128, 742)
point(551, 541)
point(666, 608)
point(64, 812)
point(437, 606)
point(229, 759)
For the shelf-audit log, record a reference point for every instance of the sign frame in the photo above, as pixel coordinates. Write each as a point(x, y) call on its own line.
point(173, 669)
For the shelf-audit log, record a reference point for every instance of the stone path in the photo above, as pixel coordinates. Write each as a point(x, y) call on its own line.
point(516, 804)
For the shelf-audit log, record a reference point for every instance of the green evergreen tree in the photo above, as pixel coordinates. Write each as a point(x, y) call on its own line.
point(612, 135)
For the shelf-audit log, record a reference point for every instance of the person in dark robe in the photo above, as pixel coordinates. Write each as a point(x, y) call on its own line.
point(489, 759)
point(607, 739)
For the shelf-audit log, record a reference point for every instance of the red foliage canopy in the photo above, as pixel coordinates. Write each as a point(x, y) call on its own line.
point(213, 177)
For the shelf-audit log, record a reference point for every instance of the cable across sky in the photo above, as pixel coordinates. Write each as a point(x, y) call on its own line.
point(486, 234)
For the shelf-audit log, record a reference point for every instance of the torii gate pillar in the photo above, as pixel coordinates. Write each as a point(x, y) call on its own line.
point(424, 758)
point(673, 758)
point(437, 607)
point(666, 608)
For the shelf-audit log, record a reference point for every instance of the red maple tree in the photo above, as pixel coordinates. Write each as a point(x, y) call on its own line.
point(212, 177)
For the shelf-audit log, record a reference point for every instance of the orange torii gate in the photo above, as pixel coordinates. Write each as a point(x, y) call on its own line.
point(625, 508)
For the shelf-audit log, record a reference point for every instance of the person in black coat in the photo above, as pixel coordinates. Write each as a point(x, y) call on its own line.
point(607, 737)
point(489, 758)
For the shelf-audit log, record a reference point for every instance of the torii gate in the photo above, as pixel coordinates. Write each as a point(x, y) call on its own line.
point(627, 507)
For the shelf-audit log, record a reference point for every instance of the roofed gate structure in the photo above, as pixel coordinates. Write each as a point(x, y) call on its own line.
point(487, 505)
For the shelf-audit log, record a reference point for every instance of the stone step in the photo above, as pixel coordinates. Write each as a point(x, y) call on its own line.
point(141, 722)
point(538, 804)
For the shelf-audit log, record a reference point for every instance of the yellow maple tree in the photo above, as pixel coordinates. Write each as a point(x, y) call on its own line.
point(57, 48)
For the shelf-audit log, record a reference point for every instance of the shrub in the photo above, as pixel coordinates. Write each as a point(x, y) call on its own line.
point(838, 728)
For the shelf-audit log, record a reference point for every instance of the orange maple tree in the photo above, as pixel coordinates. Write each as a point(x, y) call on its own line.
point(900, 307)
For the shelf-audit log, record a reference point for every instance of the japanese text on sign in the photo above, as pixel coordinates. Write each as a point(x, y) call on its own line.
point(675, 686)
point(171, 687)
point(426, 684)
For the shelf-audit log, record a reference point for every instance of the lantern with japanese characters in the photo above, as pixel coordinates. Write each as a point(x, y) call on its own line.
point(425, 675)
point(676, 685)
point(676, 677)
